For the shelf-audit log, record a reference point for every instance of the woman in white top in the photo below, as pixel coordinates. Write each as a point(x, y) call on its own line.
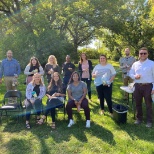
point(33, 67)
point(104, 75)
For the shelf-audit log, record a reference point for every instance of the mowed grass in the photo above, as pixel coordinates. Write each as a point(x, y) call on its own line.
point(104, 136)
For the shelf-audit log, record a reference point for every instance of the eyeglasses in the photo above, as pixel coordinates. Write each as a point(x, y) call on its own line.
point(143, 53)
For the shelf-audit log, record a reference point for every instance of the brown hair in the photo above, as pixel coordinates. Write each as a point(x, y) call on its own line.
point(143, 48)
point(71, 78)
point(103, 56)
point(37, 62)
point(53, 83)
point(81, 60)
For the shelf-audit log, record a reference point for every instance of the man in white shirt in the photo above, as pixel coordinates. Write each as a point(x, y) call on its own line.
point(125, 65)
point(142, 72)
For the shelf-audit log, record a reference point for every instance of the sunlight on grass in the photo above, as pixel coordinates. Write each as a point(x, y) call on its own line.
point(104, 136)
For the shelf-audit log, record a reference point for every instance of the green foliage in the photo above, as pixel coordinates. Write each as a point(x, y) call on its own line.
point(45, 27)
point(34, 36)
point(91, 53)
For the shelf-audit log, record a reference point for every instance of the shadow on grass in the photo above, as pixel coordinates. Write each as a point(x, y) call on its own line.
point(42, 133)
point(80, 132)
point(137, 132)
point(37, 134)
point(16, 146)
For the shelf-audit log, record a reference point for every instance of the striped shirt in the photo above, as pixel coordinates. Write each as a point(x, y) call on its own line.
point(126, 63)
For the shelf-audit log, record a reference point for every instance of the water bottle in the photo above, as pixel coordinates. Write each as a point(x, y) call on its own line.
point(152, 96)
point(108, 83)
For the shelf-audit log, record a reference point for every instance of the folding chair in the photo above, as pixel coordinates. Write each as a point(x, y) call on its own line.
point(61, 107)
point(11, 106)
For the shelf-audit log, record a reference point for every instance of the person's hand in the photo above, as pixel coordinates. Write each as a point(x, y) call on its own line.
point(57, 94)
point(137, 76)
point(54, 95)
point(94, 75)
point(0, 81)
point(49, 72)
point(16, 75)
point(85, 70)
point(152, 92)
point(76, 102)
point(70, 68)
point(78, 106)
point(48, 95)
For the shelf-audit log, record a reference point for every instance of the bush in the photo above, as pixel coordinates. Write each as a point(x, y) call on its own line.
point(91, 53)
point(115, 56)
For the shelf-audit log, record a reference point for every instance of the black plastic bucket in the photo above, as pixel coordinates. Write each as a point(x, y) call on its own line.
point(120, 113)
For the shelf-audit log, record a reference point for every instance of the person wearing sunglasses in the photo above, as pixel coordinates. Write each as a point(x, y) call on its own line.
point(142, 72)
point(125, 65)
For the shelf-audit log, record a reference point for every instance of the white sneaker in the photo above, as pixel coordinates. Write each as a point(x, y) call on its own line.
point(70, 123)
point(88, 124)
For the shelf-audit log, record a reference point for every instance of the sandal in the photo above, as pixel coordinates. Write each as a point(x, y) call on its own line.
point(41, 121)
point(28, 126)
point(53, 126)
point(37, 119)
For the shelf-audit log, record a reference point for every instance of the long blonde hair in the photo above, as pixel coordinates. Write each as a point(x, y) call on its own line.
point(54, 61)
point(33, 81)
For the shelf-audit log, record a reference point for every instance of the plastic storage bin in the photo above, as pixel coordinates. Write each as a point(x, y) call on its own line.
point(120, 113)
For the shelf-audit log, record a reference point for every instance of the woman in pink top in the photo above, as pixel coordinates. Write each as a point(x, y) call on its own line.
point(85, 67)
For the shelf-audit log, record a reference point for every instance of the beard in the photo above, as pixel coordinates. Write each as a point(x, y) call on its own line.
point(127, 54)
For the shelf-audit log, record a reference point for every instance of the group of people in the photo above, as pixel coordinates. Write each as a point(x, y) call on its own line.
point(141, 74)
point(78, 84)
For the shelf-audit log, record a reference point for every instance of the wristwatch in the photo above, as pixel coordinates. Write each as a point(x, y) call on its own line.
point(74, 99)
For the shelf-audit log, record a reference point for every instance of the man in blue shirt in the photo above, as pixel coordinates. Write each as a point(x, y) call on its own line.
point(10, 68)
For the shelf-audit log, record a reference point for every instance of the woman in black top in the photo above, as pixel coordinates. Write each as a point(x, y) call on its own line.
point(85, 67)
point(55, 96)
point(51, 67)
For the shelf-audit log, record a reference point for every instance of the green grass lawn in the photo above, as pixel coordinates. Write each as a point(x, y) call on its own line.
point(104, 136)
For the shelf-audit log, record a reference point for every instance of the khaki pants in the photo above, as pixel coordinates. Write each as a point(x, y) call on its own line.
point(8, 82)
point(126, 81)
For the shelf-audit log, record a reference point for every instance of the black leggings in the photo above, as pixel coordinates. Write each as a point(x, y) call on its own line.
point(51, 106)
point(105, 92)
point(88, 82)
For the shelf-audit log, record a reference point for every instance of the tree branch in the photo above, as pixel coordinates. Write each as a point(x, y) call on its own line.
point(17, 5)
point(5, 4)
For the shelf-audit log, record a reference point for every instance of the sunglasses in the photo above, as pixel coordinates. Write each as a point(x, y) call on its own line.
point(143, 53)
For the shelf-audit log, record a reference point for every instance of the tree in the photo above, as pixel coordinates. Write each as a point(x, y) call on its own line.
point(31, 31)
